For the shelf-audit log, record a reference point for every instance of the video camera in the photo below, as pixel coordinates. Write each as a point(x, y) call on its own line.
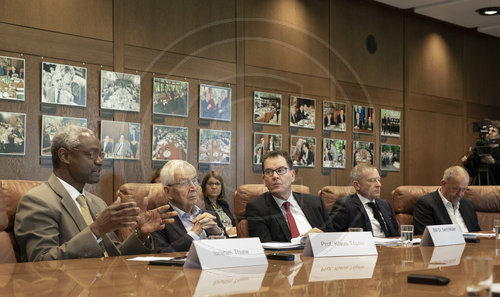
point(483, 147)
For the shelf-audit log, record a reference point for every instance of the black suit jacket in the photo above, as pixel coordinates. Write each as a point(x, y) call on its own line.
point(430, 210)
point(174, 237)
point(349, 212)
point(225, 208)
point(266, 221)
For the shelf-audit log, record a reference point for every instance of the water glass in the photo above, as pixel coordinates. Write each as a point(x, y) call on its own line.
point(406, 234)
point(496, 227)
point(354, 229)
point(478, 275)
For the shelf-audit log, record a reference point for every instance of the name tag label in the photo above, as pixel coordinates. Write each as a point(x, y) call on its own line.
point(340, 244)
point(225, 253)
point(440, 235)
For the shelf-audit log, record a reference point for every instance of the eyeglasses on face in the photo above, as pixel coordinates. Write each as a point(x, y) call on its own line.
point(280, 171)
point(92, 155)
point(210, 184)
point(184, 183)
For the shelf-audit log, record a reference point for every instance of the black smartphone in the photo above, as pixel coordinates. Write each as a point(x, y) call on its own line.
point(283, 257)
point(428, 279)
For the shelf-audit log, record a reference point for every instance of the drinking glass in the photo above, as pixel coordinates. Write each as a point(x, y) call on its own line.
point(478, 275)
point(406, 234)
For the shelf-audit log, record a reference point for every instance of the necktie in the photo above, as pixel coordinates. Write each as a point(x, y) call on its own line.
point(291, 221)
point(378, 217)
point(85, 210)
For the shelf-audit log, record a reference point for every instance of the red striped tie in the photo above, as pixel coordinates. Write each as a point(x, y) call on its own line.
point(291, 221)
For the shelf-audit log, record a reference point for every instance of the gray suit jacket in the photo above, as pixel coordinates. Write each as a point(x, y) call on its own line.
point(49, 226)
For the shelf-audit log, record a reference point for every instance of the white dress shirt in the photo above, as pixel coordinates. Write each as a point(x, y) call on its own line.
point(454, 213)
point(297, 213)
point(376, 229)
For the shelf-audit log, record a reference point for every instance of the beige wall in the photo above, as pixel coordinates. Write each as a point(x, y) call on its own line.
point(441, 77)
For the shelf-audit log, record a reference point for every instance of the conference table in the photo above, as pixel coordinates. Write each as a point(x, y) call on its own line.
point(382, 275)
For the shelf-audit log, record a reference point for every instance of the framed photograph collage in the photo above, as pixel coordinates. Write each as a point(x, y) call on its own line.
point(66, 85)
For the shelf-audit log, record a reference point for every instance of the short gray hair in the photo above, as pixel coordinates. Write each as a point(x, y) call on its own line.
point(168, 170)
point(454, 171)
point(358, 170)
point(68, 138)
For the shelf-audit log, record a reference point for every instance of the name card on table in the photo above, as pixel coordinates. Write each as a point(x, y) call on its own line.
point(439, 235)
point(225, 253)
point(339, 268)
point(340, 244)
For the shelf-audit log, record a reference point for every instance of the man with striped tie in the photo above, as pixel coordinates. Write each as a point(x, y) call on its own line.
point(60, 220)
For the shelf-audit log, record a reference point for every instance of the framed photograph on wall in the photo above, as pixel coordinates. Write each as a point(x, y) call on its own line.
point(303, 151)
point(12, 80)
point(169, 143)
point(64, 84)
point(120, 91)
point(390, 157)
point(170, 97)
point(302, 112)
point(12, 133)
point(51, 124)
point(263, 143)
point(334, 153)
point(390, 123)
point(363, 152)
point(215, 146)
point(363, 119)
point(121, 140)
point(334, 118)
point(215, 103)
point(266, 108)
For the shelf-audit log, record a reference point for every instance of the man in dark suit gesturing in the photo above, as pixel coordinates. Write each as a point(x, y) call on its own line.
point(59, 220)
point(365, 209)
point(445, 205)
point(280, 214)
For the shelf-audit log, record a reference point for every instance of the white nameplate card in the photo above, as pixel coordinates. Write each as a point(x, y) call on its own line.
point(340, 244)
point(439, 235)
point(337, 268)
point(225, 253)
point(229, 281)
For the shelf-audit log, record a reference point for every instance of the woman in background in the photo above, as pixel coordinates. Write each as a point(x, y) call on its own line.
point(213, 191)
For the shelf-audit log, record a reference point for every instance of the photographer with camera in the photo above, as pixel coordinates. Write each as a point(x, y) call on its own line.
point(485, 160)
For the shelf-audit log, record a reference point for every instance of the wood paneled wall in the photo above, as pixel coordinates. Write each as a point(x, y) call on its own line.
point(441, 77)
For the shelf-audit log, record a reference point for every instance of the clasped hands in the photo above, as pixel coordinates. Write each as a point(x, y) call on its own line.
point(207, 222)
point(127, 214)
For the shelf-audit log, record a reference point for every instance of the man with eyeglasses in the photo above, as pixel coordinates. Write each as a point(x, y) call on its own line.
point(280, 214)
point(364, 209)
point(59, 220)
point(179, 179)
point(446, 205)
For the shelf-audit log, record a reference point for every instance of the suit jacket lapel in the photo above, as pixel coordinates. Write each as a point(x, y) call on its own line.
point(466, 215)
point(387, 217)
point(278, 215)
point(361, 208)
point(68, 202)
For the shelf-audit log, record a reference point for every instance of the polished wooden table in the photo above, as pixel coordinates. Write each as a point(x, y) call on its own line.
point(306, 276)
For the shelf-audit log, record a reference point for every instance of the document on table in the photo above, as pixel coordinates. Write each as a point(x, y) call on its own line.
point(392, 241)
point(150, 258)
point(488, 235)
point(282, 246)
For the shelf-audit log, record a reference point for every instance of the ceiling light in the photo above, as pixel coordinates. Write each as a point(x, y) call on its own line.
point(488, 11)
